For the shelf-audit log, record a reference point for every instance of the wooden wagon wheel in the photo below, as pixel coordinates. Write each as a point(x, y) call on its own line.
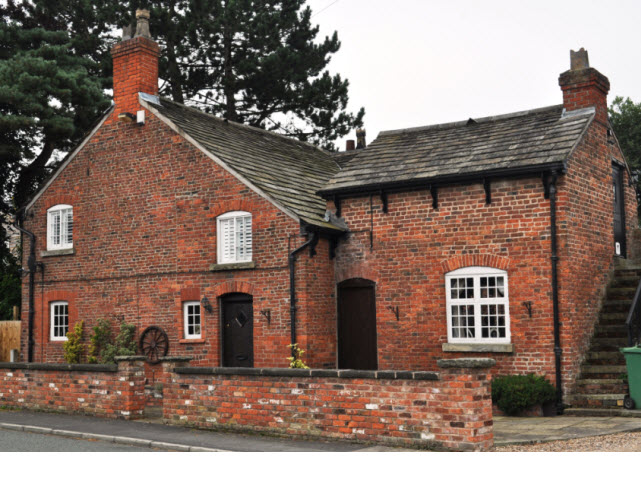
point(154, 344)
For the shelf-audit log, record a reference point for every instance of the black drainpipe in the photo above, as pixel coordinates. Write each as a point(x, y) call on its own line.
point(292, 284)
point(555, 294)
point(32, 265)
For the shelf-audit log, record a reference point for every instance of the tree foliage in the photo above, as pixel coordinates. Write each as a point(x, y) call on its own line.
point(625, 116)
point(253, 61)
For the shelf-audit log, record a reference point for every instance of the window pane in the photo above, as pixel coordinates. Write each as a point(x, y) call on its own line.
point(493, 321)
point(463, 321)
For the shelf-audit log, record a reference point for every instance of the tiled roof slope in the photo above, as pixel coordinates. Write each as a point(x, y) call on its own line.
point(288, 171)
point(517, 141)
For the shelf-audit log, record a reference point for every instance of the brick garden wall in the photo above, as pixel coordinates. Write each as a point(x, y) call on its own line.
point(451, 409)
point(101, 390)
point(144, 241)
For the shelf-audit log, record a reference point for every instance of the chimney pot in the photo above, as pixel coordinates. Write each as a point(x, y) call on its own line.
point(142, 24)
point(360, 138)
point(350, 145)
point(579, 60)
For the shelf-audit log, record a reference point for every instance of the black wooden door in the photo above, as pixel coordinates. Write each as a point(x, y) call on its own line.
point(619, 212)
point(357, 325)
point(238, 330)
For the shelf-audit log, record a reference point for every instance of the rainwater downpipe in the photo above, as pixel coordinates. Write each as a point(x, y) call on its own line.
point(31, 264)
point(292, 285)
point(555, 294)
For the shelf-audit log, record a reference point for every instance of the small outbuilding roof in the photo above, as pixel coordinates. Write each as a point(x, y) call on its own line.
point(507, 144)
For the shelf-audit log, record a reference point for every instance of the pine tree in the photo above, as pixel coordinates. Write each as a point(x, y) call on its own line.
point(254, 62)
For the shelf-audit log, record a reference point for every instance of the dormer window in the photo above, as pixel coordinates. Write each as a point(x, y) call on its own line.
point(60, 227)
point(234, 237)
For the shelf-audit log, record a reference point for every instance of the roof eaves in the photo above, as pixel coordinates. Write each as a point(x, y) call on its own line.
point(70, 156)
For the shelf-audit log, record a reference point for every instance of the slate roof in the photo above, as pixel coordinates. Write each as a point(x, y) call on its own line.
point(522, 141)
point(287, 170)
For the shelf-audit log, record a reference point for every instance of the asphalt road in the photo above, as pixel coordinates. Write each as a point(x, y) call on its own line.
point(14, 441)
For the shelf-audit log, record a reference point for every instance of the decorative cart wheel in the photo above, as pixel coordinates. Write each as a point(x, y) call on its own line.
point(154, 344)
point(628, 403)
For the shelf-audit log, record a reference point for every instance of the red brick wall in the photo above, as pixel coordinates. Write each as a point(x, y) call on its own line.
point(415, 245)
point(453, 412)
point(145, 206)
point(117, 393)
point(586, 237)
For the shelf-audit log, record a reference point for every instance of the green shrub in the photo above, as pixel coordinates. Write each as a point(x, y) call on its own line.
point(104, 348)
point(295, 361)
point(516, 393)
point(73, 347)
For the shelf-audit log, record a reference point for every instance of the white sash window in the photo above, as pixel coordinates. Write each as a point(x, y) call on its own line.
point(477, 305)
point(60, 227)
point(235, 237)
point(191, 316)
point(59, 320)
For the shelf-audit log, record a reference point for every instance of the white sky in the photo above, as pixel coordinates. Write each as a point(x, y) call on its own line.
point(413, 63)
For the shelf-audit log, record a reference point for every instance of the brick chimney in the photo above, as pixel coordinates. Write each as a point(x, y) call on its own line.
point(135, 65)
point(583, 87)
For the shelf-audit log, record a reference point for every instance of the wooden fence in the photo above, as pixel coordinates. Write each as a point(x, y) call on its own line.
point(9, 339)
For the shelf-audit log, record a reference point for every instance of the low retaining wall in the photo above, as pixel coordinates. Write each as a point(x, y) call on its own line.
point(451, 409)
point(102, 390)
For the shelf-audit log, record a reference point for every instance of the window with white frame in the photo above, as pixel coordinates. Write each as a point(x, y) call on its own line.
point(477, 305)
point(234, 237)
point(59, 320)
point(60, 227)
point(191, 316)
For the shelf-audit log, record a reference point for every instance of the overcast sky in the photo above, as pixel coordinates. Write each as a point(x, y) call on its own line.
point(413, 63)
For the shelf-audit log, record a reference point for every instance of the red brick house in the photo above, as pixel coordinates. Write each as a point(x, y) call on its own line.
point(496, 236)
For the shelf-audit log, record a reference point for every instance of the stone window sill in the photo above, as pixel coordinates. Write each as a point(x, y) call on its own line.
point(218, 267)
point(191, 340)
point(57, 253)
point(479, 347)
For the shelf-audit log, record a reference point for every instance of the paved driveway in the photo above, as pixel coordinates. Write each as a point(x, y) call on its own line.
point(518, 430)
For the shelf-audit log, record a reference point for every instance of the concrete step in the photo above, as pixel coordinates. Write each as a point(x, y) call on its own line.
point(596, 400)
point(625, 282)
point(153, 412)
point(612, 318)
point(602, 412)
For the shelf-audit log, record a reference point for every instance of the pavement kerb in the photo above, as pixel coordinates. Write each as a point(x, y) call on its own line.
point(563, 437)
point(137, 442)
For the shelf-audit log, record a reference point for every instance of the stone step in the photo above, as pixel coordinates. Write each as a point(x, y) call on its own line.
point(596, 400)
point(602, 371)
point(612, 318)
point(611, 331)
point(616, 306)
point(601, 412)
point(620, 293)
point(608, 344)
point(601, 385)
point(605, 358)
point(625, 282)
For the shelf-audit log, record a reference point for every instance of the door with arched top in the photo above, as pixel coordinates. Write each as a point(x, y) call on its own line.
point(357, 325)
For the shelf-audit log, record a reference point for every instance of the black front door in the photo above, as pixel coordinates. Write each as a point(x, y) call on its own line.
point(238, 330)
point(357, 325)
point(619, 211)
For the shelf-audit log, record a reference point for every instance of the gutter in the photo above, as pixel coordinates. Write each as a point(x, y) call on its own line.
point(33, 266)
point(472, 177)
point(313, 240)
